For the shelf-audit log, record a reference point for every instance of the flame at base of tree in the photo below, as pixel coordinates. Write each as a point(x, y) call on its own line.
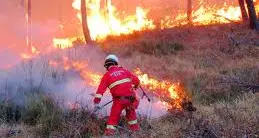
point(103, 21)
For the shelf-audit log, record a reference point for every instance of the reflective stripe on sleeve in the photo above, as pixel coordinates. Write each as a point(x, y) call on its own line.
point(119, 82)
point(110, 127)
point(133, 122)
point(98, 96)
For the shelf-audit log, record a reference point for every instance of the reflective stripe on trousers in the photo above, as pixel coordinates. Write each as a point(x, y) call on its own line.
point(110, 127)
point(133, 122)
point(119, 82)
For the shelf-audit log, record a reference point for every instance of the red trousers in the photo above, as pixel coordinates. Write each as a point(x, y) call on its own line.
point(117, 107)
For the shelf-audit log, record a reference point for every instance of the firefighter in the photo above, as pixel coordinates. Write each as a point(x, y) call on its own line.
point(122, 84)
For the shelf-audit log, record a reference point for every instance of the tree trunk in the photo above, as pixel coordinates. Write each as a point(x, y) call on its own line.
point(84, 22)
point(252, 15)
point(29, 35)
point(189, 11)
point(243, 9)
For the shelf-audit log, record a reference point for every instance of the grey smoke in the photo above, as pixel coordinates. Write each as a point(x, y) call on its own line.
point(65, 85)
point(19, 77)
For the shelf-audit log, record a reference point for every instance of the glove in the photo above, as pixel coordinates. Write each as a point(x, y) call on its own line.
point(97, 100)
point(136, 87)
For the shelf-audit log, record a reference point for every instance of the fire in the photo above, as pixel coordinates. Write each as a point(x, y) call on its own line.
point(103, 21)
point(170, 94)
point(205, 16)
point(106, 20)
point(91, 77)
point(257, 7)
point(32, 53)
point(162, 89)
point(210, 15)
point(63, 43)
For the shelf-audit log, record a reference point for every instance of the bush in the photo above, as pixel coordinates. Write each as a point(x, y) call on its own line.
point(9, 113)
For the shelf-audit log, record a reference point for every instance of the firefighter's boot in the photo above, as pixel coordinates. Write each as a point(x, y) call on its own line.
point(134, 127)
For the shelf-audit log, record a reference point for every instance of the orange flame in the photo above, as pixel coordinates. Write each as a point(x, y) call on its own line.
point(34, 52)
point(172, 94)
point(103, 21)
point(205, 16)
point(91, 77)
point(63, 43)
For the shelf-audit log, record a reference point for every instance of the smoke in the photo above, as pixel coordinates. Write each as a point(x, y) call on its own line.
point(13, 26)
point(64, 85)
point(20, 77)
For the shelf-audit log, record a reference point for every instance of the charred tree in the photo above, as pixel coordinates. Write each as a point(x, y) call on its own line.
point(84, 22)
point(243, 9)
point(189, 11)
point(252, 15)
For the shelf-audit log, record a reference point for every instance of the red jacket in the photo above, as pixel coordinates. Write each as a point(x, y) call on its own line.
point(120, 82)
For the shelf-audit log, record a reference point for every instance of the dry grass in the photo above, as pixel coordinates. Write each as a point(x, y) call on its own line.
point(222, 119)
point(16, 131)
point(209, 59)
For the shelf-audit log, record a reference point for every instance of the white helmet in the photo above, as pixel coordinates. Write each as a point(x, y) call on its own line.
point(112, 57)
point(111, 60)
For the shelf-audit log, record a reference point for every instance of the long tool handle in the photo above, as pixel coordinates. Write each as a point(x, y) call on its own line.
point(145, 94)
point(101, 107)
point(106, 104)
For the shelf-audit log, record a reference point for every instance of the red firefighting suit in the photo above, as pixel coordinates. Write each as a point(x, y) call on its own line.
point(120, 82)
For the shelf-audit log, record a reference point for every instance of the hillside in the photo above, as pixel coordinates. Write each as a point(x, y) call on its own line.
point(210, 62)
